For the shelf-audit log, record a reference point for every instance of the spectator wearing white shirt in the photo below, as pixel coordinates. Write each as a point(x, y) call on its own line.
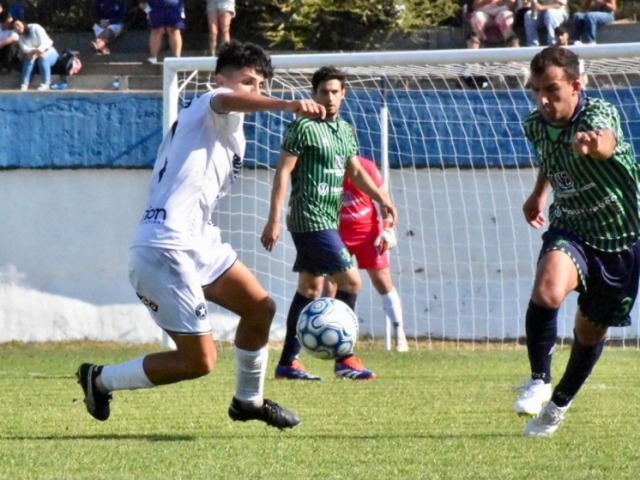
point(37, 47)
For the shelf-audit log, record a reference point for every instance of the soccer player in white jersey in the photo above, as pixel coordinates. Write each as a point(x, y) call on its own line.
point(178, 260)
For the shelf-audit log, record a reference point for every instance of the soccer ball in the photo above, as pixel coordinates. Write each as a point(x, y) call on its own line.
point(327, 328)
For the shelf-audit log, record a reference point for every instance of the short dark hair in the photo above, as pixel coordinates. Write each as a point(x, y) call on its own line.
point(560, 31)
point(556, 56)
point(5, 15)
point(324, 74)
point(235, 55)
point(512, 40)
point(472, 37)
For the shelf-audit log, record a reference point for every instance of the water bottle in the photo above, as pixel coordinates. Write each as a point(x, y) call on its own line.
point(116, 83)
point(534, 9)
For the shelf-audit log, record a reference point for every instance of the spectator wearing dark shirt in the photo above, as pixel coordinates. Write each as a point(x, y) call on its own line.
point(8, 40)
point(165, 17)
point(109, 16)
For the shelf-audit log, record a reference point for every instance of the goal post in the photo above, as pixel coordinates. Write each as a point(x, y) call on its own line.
point(445, 128)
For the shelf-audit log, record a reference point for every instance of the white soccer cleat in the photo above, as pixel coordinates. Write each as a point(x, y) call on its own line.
point(535, 393)
point(547, 422)
point(400, 339)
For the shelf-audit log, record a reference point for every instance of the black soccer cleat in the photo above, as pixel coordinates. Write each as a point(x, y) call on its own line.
point(270, 413)
point(97, 403)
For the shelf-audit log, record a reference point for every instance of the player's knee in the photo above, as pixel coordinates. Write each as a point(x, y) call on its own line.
point(548, 295)
point(202, 365)
point(352, 285)
point(262, 313)
point(268, 309)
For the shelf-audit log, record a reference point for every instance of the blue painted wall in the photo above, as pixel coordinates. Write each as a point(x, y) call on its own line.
point(79, 129)
point(438, 129)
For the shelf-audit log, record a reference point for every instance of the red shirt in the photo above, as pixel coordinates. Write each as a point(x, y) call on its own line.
point(358, 212)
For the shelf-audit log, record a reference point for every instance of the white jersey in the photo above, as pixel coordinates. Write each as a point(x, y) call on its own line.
point(197, 162)
point(6, 34)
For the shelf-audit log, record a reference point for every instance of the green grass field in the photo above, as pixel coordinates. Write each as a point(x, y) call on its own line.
point(440, 412)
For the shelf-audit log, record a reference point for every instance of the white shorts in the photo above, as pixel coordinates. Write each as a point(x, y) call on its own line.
point(116, 28)
point(222, 6)
point(169, 283)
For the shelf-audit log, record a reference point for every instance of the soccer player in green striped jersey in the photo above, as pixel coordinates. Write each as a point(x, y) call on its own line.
point(316, 154)
point(591, 245)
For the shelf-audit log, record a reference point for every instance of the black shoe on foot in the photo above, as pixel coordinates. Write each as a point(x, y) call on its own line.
point(270, 413)
point(97, 402)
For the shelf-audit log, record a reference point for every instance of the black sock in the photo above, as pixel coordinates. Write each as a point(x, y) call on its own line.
point(542, 329)
point(291, 347)
point(581, 363)
point(348, 298)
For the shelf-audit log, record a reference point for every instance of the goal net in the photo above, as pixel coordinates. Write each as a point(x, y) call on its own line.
point(445, 128)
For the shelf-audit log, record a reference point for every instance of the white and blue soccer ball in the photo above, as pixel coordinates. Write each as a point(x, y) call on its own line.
point(327, 328)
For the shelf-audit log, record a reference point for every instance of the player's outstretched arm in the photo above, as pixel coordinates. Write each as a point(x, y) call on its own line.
point(306, 108)
point(247, 102)
point(271, 231)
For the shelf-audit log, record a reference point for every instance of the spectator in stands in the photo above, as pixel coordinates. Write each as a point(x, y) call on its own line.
point(165, 17)
point(512, 42)
point(561, 36)
point(8, 40)
point(37, 47)
point(109, 15)
point(473, 75)
point(549, 14)
point(585, 24)
point(562, 40)
point(472, 41)
point(219, 14)
point(486, 14)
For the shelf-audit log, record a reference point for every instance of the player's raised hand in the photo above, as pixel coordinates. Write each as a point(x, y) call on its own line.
point(584, 143)
point(270, 235)
point(307, 108)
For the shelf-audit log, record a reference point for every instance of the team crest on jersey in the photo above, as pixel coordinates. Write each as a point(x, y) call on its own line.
point(201, 311)
point(340, 162)
point(323, 189)
point(563, 181)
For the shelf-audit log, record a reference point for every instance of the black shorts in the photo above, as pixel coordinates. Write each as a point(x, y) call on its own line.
point(321, 253)
point(608, 280)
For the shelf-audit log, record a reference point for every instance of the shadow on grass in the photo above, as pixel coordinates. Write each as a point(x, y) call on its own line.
point(149, 437)
point(266, 434)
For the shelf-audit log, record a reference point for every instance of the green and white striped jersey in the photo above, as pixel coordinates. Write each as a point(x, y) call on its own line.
point(598, 201)
point(323, 149)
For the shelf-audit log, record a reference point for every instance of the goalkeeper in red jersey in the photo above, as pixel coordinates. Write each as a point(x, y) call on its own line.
point(368, 241)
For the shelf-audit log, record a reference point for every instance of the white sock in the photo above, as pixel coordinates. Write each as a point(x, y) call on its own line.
point(251, 368)
point(125, 376)
point(392, 307)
